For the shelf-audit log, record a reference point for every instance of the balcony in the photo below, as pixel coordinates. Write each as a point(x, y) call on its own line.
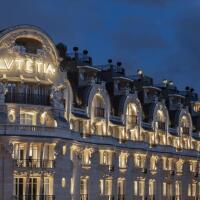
point(121, 197)
point(24, 98)
point(99, 112)
point(185, 130)
point(84, 197)
point(34, 197)
point(35, 163)
point(161, 126)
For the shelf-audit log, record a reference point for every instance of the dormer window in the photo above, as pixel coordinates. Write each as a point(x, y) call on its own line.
point(131, 116)
point(160, 120)
point(28, 45)
point(98, 106)
point(185, 125)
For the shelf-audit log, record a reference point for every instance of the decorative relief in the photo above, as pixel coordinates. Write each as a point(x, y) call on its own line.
point(3, 91)
point(56, 97)
point(7, 41)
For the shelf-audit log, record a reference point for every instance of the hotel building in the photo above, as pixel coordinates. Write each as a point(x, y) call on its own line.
point(70, 130)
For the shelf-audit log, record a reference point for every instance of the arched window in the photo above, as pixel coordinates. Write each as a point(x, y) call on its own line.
point(98, 106)
point(185, 125)
point(28, 45)
point(161, 119)
point(131, 115)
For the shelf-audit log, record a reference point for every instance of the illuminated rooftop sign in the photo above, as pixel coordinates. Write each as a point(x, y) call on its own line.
point(28, 66)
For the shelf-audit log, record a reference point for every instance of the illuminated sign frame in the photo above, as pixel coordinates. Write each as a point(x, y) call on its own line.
point(26, 65)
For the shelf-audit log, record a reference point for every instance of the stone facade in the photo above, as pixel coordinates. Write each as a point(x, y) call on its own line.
point(72, 130)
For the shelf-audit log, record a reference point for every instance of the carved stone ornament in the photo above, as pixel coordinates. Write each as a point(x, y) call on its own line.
point(9, 36)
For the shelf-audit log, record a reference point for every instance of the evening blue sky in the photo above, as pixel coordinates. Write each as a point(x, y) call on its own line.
point(160, 36)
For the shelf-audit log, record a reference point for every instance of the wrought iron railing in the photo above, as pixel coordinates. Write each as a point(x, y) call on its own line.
point(161, 126)
point(23, 98)
point(99, 112)
point(35, 163)
point(26, 127)
point(186, 130)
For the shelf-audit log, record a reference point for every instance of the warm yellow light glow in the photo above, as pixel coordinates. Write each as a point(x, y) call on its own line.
point(64, 150)
point(26, 65)
point(63, 183)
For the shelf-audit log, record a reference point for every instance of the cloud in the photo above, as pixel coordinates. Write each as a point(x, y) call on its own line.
point(161, 36)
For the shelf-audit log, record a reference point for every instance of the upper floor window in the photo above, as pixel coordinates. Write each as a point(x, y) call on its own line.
point(152, 187)
point(121, 187)
point(161, 120)
point(28, 45)
point(98, 106)
point(123, 158)
point(167, 189)
point(178, 189)
point(192, 189)
point(105, 157)
point(27, 118)
point(27, 94)
point(131, 115)
point(105, 186)
point(193, 166)
point(86, 157)
point(139, 187)
point(84, 187)
point(153, 163)
point(185, 125)
point(139, 160)
point(167, 163)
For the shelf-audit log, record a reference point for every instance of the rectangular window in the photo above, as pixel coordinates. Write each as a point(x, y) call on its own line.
point(34, 155)
point(48, 186)
point(151, 187)
point(84, 186)
point(105, 157)
point(19, 187)
point(167, 189)
point(192, 189)
point(178, 189)
point(86, 155)
point(139, 160)
point(153, 163)
point(123, 160)
point(27, 118)
point(33, 186)
point(167, 163)
point(19, 154)
point(105, 186)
